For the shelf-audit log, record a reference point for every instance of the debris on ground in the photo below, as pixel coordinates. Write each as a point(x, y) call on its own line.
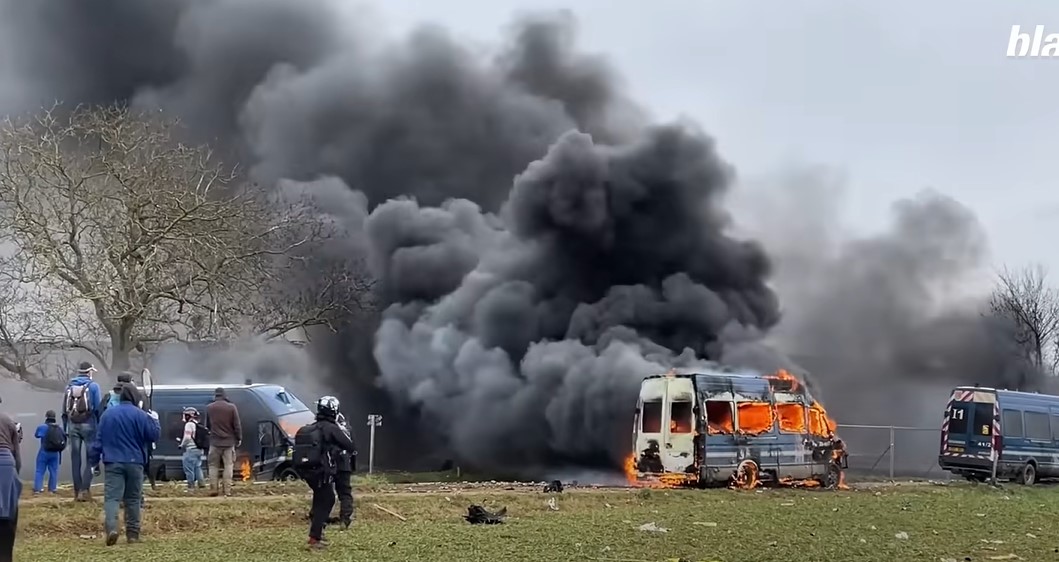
point(553, 487)
point(552, 504)
point(391, 512)
point(901, 536)
point(478, 515)
point(653, 528)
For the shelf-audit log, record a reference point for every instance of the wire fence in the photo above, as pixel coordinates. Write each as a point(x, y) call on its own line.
point(893, 451)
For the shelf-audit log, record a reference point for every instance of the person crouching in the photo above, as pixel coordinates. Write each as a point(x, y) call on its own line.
point(124, 436)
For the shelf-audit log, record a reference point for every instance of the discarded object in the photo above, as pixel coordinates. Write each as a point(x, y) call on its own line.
point(901, 536)
point(478, 515)
point(555, 486)
point(384, 510)
point(653, 528)
point(552, 504)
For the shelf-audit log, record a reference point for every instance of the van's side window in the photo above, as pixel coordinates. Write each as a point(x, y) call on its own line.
point(1037, 426)
point(174, 425)
point(1055, 427)
point(1012, 420)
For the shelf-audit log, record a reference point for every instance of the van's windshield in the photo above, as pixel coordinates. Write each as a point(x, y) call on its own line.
point(292, 422)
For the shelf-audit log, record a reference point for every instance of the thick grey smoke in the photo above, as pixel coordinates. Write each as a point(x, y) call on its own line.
point(528, 343)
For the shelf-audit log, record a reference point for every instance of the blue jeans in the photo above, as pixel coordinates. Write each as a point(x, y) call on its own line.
point(46, 462)
point(192, 463)
point(122, 482)
point(81, 435)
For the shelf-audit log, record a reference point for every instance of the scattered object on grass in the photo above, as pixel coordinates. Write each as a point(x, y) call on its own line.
point(1006, 557)
point(552, 504)
point(478, 515)
point(901, 536)
point(553, 487)
point(705, 523)
point(653, 528)
point(384, 510)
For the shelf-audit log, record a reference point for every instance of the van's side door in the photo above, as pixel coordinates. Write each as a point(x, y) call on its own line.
point(272, 450)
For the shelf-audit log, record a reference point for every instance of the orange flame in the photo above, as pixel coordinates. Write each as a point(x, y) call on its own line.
point(792, 417)
point(665, 480)
point(784, 376)
point(755, 417)
point(245, 470)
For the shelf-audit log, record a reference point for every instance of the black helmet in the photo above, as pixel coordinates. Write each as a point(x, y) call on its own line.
point(327, 406)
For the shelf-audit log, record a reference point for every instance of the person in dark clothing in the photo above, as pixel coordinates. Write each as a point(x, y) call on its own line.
point(345, 464)
point(123, 438)
point(10, 485)
point(316, 446)
point(49, 455)
point(226, 436)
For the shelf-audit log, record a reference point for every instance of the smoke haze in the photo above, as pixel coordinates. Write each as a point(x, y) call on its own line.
point(539, 244)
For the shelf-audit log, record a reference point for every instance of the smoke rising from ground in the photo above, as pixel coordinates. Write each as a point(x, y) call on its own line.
point(519, 313)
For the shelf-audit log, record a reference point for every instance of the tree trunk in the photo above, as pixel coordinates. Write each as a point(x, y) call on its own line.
point(120, 349)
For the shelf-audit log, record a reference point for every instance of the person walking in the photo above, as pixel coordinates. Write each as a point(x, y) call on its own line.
point(194, 442)
point(345, 464)
point(49, 455)
point(10, 485)
point(315, 447)
point(226, 435)
point(125, 434)
point(80, 416)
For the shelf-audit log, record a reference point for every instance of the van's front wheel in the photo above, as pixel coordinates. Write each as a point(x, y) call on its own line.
point(1028, 475)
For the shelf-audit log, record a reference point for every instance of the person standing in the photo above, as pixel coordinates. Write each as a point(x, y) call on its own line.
point(10, 485)
point(52, 444)
point(125, 434)
point(80, 416)
point(195, 441)
point(226, 435)
point(345, 464)
point(315, 448)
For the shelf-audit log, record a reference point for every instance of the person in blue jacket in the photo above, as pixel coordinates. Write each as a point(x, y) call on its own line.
point(49, 455)
point(124, 436)
point(80, 413)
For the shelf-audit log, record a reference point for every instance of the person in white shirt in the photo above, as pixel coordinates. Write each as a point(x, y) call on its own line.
point(193, 448)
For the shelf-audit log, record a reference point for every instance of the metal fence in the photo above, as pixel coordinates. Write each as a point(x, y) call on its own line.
point(893, 451)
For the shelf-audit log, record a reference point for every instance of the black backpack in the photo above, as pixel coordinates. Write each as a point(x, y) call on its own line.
point(201, 437)
point(310, 452)
point(54, 439)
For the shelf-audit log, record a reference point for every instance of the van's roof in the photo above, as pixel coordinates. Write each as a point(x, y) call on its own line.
point(693, 372)
point(1003, 391)
point(210, 386)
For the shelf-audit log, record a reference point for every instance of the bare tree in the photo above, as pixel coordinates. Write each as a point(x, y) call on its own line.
point(1025, 299)
point(142, 238)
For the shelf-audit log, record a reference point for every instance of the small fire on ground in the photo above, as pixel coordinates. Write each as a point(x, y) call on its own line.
point(245, 469)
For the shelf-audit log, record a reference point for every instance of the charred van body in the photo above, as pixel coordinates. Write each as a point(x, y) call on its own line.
point(720, 428)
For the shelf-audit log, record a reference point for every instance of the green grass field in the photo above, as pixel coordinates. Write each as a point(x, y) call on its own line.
point(266, 522)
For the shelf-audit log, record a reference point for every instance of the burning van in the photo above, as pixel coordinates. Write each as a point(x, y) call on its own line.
point(721, 428)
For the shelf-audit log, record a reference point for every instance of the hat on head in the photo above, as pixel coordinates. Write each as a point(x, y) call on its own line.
point(85, 368)
point(219, 393)
point(125, 376)
point(49, 415)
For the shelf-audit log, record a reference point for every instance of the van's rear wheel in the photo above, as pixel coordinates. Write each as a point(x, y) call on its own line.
point(287, 475)
point(1028, 475)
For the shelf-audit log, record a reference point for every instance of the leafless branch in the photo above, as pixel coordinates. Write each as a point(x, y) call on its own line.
point(143, 238)
point(1024, 298)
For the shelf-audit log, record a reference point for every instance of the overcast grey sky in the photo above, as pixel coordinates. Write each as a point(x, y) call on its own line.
point(896, 95)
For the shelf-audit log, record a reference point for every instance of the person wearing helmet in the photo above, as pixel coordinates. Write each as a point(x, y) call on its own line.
point(344, 467)
point(316, 447)
point(194, 443)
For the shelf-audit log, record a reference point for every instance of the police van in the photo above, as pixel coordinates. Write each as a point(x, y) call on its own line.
point(717, 427)
point(1017, 432)
point(270, 415)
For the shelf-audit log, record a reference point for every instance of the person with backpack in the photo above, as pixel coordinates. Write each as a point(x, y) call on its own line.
point(52, 444)
point(124, 436)
point(80, 417)
point(315, 448)
point(113, 398)
point(194, 442)
point(345, 464)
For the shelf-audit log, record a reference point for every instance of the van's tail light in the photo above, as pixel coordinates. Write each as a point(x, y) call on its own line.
point(998, 443)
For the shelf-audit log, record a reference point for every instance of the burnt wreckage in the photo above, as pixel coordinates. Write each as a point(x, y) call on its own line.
point(712, 428)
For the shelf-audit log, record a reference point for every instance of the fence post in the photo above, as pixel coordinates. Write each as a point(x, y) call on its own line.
point(892, 451)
